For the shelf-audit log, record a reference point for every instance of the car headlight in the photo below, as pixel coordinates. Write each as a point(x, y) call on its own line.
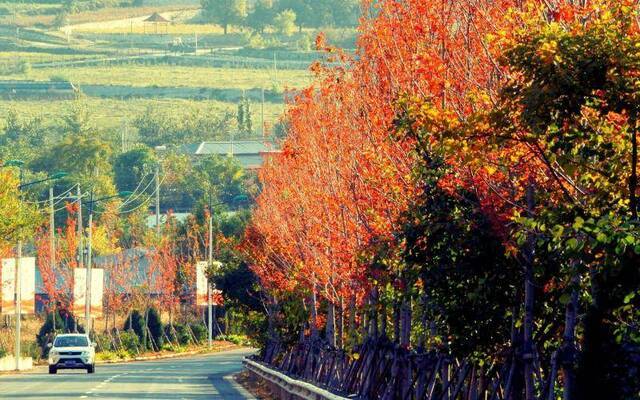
point(86, 353)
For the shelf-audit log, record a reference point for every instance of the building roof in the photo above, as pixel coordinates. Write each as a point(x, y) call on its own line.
point(248, 152)
point(155, 17)
point(240, 147)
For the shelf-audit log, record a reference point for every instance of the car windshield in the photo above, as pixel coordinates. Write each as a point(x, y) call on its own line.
point(71, 341)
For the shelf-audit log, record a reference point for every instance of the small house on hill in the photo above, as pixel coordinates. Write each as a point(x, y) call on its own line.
point(250, 153)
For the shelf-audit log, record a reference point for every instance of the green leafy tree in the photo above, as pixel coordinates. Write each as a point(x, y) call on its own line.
point(22, 137)
point(131, 167)
point(345, 13)
point(18, 219)
point(304, 12)
point(285, 22)
point(154, 323)
point(244, 118)
point(86, 159)
point(261, 16)
point(225, 12)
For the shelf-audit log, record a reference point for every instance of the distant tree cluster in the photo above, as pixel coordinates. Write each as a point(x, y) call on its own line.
point(282, 15)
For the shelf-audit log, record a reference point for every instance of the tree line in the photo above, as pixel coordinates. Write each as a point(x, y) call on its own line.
point(467, 185)
point(283, 15)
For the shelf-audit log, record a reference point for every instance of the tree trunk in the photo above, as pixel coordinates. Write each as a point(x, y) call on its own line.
point(383, 320)
point(226, 28)
point(364, 322)
point(633, 180)
point(569, 346)
point(352, 317)
point(373, 325)
point(396, 320)
point(340, 335)
point(314, 313)
point(405, 334)
point(529, 288)
point(424, 321)
point(331, 321)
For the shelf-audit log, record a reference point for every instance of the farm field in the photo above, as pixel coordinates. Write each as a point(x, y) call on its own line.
point(172, 76)
point(41, 57)
point(112, 114)
point(46, 19)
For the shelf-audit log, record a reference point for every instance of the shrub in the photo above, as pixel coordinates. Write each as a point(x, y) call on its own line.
point(239, 340)
point(25, 67)
point(31, 349)
point(47, 333)
point(130, 342)
point(155, 327)
point(135, 322)
point(3, 352)
point(58, 78)
point(106, 356)
point(181, 334)
point(200, 332)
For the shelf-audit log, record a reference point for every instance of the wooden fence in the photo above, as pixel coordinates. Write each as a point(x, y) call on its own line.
point(380, 369)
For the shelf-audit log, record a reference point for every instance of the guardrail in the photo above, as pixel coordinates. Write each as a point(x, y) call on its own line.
point(289, 388)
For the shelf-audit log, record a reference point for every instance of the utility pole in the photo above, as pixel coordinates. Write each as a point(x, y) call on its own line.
point(52, 246)
point(262, 114)
point(18, 291)
point(209, 286)
point(275, 66)
point(80, 248)
point(18, 302)
point(87, 294)
point(158, 200)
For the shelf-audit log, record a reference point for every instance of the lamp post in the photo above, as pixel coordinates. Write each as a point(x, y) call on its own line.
point(87, 294)
point(17, 284)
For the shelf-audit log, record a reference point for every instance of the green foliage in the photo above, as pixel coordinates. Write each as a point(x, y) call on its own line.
point(155, 327)
point(178, 332)
point(261, 16)
point(199, 332)
point(220, 176)
point(225, 12)
point(131, 167)
point(285, 22)
point(22, 136)
point(244, 117)
point(158, 128)
point(239, 340)
point(46, 333)
point(135, 323)
point(130, 340)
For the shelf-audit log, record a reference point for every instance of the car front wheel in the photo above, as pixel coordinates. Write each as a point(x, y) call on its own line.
point(91, 369)
point(52, 369)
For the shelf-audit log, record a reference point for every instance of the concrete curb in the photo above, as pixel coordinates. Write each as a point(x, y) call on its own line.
point(171, 355)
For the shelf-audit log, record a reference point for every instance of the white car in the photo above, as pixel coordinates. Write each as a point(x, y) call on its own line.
point(72, 351)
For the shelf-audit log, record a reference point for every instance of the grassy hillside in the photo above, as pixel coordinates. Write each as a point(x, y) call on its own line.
point(172, 76)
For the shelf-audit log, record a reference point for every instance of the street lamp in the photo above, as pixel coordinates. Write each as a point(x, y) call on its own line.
point(18, 292)
point(87, 294)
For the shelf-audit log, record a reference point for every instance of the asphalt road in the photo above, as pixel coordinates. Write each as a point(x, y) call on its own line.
point(195, 377)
